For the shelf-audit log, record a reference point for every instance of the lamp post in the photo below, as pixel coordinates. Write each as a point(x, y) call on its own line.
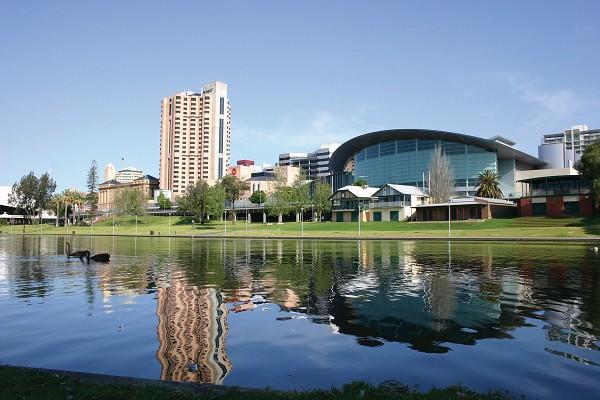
point(449, 217)
point(359, 218)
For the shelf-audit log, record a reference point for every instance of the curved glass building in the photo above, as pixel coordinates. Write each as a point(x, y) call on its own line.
point(402, 156)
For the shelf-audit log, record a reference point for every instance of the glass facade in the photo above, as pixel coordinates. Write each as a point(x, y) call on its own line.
point(406, 162)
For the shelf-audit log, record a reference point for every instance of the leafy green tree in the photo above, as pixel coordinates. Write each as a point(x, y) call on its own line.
point(362, 182)
point(488, 185)
point(258, 197)
point(163, 202)
point(216, 201)
point(321, 201)
point(196, 200)
point(589, 167)
point(23, 194)
point(278, 203)
point(441, 184)
point(299, 194)
point(66, 203)
point(32, 193)
point(92, 185)
point(130, 201)
point(233, 190)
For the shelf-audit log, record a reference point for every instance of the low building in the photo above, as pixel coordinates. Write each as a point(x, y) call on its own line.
point(555, 192)
point(268, 181)
point(107, 191)
point(466, 208)
point(396, 202)
point(243, 170)
point(350, 203)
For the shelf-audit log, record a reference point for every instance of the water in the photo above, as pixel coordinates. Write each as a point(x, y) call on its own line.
point(308, 314)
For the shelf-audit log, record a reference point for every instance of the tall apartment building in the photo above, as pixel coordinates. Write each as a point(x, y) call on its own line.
point(195, 137)
point(315, 164)
point(562, 150)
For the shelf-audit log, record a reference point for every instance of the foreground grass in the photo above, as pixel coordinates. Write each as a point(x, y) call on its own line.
point(18, 383)
point(177, 226)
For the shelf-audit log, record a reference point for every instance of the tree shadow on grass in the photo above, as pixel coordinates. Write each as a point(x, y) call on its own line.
point(591, 225)
point(190, 221)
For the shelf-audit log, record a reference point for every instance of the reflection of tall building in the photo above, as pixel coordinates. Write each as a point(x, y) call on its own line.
point(192, 327)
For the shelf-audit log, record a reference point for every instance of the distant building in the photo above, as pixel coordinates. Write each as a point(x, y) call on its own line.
point(108, 191)
point(315, 164)
point(267, 181)
point(195, 137)
point(109, 172)
point(243, 170)
point(128, 175)
point(563, 150)
point(402, 156)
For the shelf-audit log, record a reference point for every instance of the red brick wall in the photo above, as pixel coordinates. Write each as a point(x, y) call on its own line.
point(586, 207)
point(555, 207)
point(525, 208)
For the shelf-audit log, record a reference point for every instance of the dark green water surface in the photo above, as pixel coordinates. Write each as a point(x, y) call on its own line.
point(308, 314)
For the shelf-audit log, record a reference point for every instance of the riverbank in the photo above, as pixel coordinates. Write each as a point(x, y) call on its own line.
point(32, 383)
point(525, 228)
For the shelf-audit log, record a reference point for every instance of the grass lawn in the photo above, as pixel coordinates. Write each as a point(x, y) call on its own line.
point(178, 226)
point(19, 383)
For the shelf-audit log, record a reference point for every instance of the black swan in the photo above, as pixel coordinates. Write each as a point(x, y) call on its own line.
point(100, 257)
point(78, 253)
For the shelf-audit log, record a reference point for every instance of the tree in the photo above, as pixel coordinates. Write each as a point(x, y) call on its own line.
point(67, 202)
point(163, 202)
point(32, 193)
point(258, 197)
point(92, 185)
point(196, 200)
point(233, 190)
point(441, 183)
point(362, 182)
point(322, 204)
point(488, 185)
point(278, 203)
point(130, 201)
point(216, 201)
point(589, 167)
point(23, 194)
point(299, 194)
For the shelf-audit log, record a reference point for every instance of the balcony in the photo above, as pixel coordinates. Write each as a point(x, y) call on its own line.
point(389, 204)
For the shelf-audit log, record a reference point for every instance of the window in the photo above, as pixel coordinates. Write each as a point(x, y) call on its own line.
point(220, 137)
point(221, 105)
point(387, 148)
point(404, 146)
point(426, 144)
point(373, 151)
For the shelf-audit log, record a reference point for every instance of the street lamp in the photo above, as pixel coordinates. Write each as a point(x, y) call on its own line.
point(449, 217)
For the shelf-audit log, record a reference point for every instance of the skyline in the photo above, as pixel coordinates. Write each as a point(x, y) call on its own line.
point(298, 76)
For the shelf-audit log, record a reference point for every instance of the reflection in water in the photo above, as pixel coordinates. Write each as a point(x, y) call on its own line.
point(192, 327)
point(209, 298)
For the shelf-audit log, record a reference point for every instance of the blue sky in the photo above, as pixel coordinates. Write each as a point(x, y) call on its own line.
point(83, 80)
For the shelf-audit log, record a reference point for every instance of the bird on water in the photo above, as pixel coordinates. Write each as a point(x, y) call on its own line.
point(78, 253)
point(100, 257)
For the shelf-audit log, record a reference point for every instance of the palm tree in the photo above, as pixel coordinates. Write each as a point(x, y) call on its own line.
point(488, 185)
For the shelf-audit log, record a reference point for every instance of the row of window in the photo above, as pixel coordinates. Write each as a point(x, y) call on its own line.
point(404, 146)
